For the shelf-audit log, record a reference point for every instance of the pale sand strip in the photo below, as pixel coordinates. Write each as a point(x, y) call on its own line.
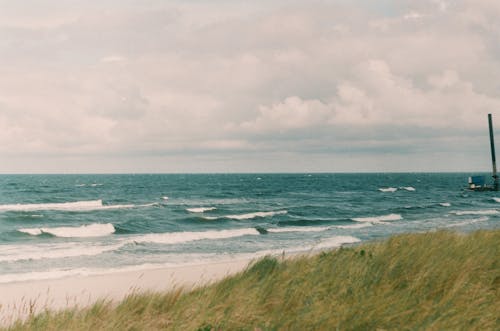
point(18, 299)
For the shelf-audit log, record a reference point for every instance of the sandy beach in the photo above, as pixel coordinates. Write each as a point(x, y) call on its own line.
point(19, 299)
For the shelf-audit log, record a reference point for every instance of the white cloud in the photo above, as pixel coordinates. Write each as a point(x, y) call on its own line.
point(229, 78)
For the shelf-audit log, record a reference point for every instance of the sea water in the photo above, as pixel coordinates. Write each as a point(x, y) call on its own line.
point(54, 226)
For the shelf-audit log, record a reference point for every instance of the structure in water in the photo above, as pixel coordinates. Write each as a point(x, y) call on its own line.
point(477, 183)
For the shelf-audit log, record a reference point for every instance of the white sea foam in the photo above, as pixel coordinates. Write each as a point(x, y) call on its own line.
point(164, 198)
point(408, 188)
point(355, 226)
point(496, 199)
point(468, 222)
point(476, 212)
point(89, 205)
point(336, 242)
point(70, 206)
point(445, 204)
point(200, 209)
point(182, 237)
point(299, 229)
point(91, 230)
point(33, 232)
point(379, 219)
point(210, 218)
point(248, 216)
point(388, 189)
point(257, 214)
point(11, 253)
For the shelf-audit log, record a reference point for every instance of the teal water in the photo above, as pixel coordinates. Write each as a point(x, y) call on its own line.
point(54, 226)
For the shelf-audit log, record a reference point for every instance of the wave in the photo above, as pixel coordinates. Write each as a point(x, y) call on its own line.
point(200, 209)
point(468, 222)
point(336, 242)
point(445, 204)
point(259, 214)
point(91, 185)
point(299, 229)
point(88, 205)
point(182, 237)
point(408, 188)
point(496, 199)
point(379, 219)
point(355, 226)
point(388, 189)
point(12, 253)
point(84, 231)
point(477, 212)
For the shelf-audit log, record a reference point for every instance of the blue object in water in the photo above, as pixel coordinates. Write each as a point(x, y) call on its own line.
point(476, 181)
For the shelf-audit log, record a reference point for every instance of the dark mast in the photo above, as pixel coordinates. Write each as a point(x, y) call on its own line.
point(493, 157)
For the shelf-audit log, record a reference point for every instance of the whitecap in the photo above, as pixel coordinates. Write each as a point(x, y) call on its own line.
point(388, 189)
point(89, 205)
point(496, 199)
point(186, 236)
point(476, 212)
point(355, 226)
point(408, 188)
point(445, 204)
point(200, 209)
point(257, 214)
point(68, 206)
point(91, 230)
point(299, 229)
point(379, 219)
point(336, 241)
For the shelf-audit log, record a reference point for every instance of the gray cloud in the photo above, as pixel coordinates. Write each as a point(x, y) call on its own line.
point(261, 86)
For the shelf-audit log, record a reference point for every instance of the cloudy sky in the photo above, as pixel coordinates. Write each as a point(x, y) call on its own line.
point(247, 86)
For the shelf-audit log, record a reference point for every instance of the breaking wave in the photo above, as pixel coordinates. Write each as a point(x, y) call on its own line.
point(299, 229)
point(379, 219)
point(89, 205)
point(355, 226)
point(182, 237)
point(388, 189)
point(84, 231)
point(477, 212)
point(445, 204)
point(260, 214)
point(336, 242)
point(200, 209)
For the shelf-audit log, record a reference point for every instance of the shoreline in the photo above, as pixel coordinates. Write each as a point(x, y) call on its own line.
point(20, 299)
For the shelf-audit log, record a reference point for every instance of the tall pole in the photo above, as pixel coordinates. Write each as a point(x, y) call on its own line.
point(493, 157)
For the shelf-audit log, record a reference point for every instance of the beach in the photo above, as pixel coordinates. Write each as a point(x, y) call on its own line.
point(19, 299)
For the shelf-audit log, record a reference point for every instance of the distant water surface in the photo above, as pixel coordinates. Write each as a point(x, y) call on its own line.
point(53, 226)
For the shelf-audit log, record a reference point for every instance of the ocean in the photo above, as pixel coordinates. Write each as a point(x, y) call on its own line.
point(54, 226)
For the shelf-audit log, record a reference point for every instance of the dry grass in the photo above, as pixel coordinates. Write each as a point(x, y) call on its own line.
point(433, 281)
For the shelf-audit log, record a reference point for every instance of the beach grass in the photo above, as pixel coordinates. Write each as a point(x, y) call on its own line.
point(430, 281)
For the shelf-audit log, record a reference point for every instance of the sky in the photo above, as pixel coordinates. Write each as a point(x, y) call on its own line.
point(147, 86)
